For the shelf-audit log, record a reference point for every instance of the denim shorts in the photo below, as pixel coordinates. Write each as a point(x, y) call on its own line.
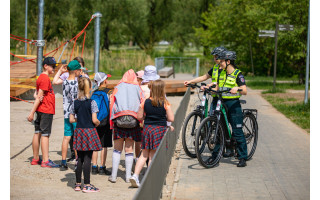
point(43, 123)
point(69, 127)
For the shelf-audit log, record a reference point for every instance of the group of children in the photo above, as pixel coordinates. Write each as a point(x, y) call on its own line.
point(136, 113)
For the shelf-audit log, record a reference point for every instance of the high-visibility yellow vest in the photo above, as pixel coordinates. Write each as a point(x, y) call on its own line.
point(215, 74)
point(229, 82)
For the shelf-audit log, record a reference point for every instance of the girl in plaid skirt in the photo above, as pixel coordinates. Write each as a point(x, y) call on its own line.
point(85, 139)
point(155, 111)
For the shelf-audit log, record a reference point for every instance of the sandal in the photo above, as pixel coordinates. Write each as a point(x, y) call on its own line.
point(90, 188)
point(77, 187)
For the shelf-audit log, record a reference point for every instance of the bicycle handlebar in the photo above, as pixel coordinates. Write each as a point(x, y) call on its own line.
point(210, 88)
point(194, 85)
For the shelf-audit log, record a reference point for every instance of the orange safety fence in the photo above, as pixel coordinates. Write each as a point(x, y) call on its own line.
point(55, 50)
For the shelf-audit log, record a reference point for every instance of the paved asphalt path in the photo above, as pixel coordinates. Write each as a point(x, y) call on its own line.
point(280, 168)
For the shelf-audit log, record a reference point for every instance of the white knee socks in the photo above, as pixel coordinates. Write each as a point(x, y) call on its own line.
point(115, 163)
point(129, 161)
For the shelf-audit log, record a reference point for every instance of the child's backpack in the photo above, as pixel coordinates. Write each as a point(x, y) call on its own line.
point(102, 99)
point(126, 121)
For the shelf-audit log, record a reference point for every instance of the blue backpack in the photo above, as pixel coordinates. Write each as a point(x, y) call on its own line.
point(102, 100)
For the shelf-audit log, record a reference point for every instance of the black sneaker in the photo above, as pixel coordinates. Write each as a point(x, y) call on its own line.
point(228, 154)
point(211, 160)
point(242, 163)
point(95, 170)
point(103, 171)
point(63, 167)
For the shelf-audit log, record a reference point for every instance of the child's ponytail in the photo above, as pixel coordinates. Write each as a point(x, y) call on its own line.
point(84, 85)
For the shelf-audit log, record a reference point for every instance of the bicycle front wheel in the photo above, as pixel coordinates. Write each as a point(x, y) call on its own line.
point(250, 130)
point(189, 129)
point(206, 134)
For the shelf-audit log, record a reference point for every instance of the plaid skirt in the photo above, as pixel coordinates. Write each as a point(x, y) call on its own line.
point(152, 136)
point(86, 139)
point(132, 133)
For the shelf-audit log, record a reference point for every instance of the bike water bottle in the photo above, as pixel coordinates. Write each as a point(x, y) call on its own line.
point(218, 105)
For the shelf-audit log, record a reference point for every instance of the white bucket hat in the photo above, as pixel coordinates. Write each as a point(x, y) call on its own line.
point(150, 74)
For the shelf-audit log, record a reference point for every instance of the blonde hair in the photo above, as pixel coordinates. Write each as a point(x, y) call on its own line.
point(157, 93)
point(84, 86)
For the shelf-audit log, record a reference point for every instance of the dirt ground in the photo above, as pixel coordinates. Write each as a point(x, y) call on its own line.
point(34, 182)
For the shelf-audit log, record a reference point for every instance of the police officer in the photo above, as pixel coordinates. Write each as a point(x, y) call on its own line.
point(232, 78)
point(213, 72)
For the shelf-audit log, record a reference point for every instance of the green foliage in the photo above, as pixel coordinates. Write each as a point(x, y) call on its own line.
point(200, 25)
point(235, 24)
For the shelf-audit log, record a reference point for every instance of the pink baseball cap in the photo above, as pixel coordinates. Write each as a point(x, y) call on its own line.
point(140, 73)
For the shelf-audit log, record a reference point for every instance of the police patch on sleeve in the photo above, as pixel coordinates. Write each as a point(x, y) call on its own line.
point(241, 78)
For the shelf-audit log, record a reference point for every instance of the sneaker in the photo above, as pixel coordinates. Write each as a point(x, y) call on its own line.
point(63, 167)
point(127, 180)
point(103, 171)
point(211, 160)
point(49, 164)
point(90, 188)
point(77, 187)
point(242, 163)
point(228, 154)
point(95, 170)
point(36, 162)
point(134, 182)
point(112, 180)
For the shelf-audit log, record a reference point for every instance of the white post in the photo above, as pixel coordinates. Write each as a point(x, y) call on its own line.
point(197, 68)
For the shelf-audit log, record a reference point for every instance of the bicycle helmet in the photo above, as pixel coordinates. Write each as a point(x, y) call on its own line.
point(227, 55)
point(217, 50)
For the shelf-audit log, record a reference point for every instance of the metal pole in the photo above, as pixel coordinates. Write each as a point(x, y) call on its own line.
point(251, 58)
point(275, 58)
point(197, 68)
point(97, 41)
point(40, 41)
point(156, 63)
point(307, 62)
point(26, 28)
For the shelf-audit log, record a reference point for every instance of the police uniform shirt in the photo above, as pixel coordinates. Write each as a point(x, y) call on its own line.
point(240, 79)
point(210, 72)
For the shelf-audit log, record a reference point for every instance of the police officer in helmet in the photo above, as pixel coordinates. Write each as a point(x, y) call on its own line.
point(232, 78)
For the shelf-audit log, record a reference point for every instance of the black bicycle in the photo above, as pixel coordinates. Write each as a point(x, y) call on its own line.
point(215, 129)
point(192, 122)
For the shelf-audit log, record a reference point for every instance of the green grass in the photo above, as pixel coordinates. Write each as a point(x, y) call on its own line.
point(277, 90)
point(270, 78)
point(268, 85)
point(299, 113)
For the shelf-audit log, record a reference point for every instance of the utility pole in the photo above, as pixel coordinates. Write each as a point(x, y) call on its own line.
point(275, 58)
point(307, 62)
point(40, 42)
point(97, 41)
point(26, 29)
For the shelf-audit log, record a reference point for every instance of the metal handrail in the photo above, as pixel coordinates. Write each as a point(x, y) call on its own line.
point(154, 179)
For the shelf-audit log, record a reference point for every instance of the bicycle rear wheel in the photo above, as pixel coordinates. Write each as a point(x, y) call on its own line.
point(189, 129)
point(250, 130)
point(206, 131)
